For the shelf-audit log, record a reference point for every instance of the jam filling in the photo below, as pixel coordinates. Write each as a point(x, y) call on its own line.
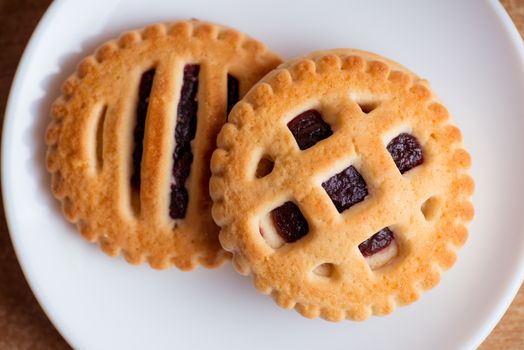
point(308, 128)
point(380, 240)
point(406, 152)
point(289, 222)
point(346, 188)
point(233, 92)
point(184, 132)
point(144, 92)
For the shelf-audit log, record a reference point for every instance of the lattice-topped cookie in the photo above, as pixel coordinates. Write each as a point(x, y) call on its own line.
point(341, 185)
point(133, 132)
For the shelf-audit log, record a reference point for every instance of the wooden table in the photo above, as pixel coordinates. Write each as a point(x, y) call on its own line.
point(23, 324)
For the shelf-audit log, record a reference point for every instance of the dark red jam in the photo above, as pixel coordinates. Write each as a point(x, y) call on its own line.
point(184, 132)
point(380, 240)
point(308, 128)
point(406, 152)
point(233, 92)
point(144, 91)
point(289, 222)
point(346, 188)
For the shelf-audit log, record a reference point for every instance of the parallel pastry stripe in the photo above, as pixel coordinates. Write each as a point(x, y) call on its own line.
point(118, 147)
point(159, 142)
point(119, 196)
point(367, 101)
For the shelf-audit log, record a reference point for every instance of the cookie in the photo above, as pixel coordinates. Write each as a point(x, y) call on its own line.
point(131, 138)
point(341, 185)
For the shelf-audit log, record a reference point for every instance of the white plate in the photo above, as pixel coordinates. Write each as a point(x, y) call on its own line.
point(470, 52)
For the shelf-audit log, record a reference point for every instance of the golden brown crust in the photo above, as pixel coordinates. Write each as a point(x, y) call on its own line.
point(334, 82)
point(89, 156)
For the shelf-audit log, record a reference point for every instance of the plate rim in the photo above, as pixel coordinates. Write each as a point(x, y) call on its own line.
point(14, 90)
point(502, 304)
point(511, 291)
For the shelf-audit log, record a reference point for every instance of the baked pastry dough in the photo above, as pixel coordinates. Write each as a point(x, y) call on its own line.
point(133, 132)
point(341, 185)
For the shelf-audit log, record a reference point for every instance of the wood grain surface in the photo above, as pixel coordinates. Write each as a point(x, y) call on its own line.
point(23, 324)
